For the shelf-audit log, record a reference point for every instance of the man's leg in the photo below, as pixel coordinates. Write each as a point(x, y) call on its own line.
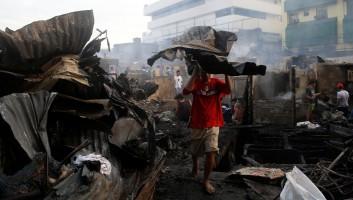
point(211, 147)
point(209, 165)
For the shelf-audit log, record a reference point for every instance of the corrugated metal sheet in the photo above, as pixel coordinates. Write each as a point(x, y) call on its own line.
point(98, 138)
point(26, 114)
point(61, 68)
point(199, 39)
point(207, 38)
point(62, 34)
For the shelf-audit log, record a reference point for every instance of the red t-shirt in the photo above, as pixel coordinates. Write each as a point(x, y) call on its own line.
point(206, 108)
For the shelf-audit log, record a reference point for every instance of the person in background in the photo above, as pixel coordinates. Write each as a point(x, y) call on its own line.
point(310, 99)
point(178, 82)
point(342, 99)
point(206, 119)
point(238, 112)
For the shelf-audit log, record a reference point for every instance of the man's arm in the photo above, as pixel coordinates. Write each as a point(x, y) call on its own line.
point(189, 87)
point(308, 95)
point(224, 87)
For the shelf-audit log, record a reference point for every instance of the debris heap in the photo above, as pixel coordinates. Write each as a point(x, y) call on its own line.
point(67, 130)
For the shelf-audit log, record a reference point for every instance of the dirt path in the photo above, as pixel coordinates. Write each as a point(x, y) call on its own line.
point(176, 184)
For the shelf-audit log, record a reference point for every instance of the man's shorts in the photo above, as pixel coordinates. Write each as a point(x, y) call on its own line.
point(310, 107)
point(204, 141)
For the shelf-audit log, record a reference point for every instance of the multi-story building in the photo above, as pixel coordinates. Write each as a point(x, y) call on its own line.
point(260, 19)
point(170, 18)
point(318, 27)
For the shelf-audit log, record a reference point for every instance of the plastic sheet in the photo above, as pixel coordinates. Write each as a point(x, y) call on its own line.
point(300, 187)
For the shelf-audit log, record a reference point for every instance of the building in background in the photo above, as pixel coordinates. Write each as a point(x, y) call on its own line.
point(258, 19)
point(132, 55)
point(318, 27)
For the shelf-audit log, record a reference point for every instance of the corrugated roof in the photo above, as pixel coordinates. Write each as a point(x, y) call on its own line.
point(62, 34)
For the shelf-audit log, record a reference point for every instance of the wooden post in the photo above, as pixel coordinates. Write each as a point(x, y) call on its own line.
point(293, 90)
point(250, 100)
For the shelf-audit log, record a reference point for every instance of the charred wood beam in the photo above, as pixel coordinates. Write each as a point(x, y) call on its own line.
point(293, 90)
point(249, 101)
point(338, 158)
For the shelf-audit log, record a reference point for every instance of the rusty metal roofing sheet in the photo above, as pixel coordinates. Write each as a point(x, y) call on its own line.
point(62, 34)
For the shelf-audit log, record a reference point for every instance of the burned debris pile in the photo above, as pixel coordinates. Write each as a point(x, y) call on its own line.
point(322, 154)
point(254, 162)
point(68, 131)
point(266, 152)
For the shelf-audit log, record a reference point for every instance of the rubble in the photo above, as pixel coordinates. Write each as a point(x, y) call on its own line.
point(65, 123)
point(138, 90)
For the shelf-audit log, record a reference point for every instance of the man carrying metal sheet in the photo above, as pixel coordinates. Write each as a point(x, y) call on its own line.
point(206, 119)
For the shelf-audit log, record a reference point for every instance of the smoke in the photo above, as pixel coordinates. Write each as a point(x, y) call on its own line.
point(285, 96)
point(257, 46)
point(272, 86)
point(241, 51)
point(132, 55)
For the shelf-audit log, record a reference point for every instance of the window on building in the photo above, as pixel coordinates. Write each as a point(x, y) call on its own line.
point(249, 13)
point(321, 13)
point(306, 12)
point(178, 7)
point(243, 12)
point(350, 8)
point(224, 12)
point(293, 18)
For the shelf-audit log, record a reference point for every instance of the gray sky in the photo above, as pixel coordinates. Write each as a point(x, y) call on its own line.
point(123, 18)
